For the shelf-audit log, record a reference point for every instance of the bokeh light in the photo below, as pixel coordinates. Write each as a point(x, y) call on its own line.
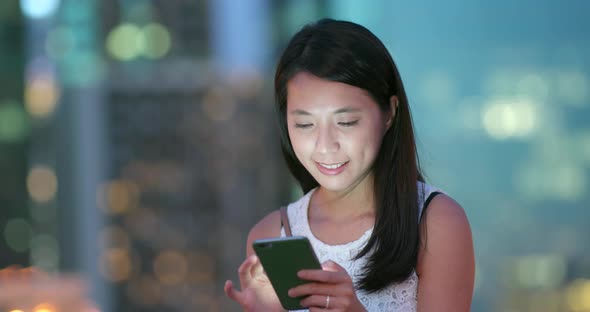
point(565, 181)
point(17, 234)
point(115, 264)
point(506, 118)
point(14, 124)
point(39, 8)
point(118, 197)
point(170, 267)
point(540, 271)
point(155, 41)
point(128, 41)
point(45, 307)
point(42, 183)
point(124, 42)
point(41, 95)
point(578, 295)
point(45, 252)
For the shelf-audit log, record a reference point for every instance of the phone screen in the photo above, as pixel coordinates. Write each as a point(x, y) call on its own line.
point(281, 259)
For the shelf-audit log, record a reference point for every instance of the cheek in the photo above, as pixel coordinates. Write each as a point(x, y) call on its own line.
point(299, 144)
point(370, 142)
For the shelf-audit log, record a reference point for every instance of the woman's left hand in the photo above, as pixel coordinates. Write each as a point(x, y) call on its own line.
point(330, 289)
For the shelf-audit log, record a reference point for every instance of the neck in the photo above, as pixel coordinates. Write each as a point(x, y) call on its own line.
point(355, 202)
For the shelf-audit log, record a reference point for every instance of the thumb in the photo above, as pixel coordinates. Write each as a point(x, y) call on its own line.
point(332, 266)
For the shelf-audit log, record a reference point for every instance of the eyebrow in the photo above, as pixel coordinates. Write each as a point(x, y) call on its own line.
point(338, 111)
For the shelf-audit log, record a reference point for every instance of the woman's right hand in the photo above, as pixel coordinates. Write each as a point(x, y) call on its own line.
point(256, 292)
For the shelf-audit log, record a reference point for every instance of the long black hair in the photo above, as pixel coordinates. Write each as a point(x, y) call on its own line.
point(349, 53)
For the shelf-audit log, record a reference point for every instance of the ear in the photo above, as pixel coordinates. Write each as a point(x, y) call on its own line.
point(393, 103)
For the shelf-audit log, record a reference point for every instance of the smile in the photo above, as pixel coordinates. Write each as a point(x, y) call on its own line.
point(332, 166)
point(332, 169)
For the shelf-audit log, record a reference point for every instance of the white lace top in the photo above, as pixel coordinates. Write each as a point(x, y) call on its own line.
point(399, 297)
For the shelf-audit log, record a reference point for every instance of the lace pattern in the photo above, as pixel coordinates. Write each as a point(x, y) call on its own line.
point(400, 297)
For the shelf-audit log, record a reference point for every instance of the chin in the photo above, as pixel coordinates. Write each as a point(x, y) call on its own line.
point(333, 185)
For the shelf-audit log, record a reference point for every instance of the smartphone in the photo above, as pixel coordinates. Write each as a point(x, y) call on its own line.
point(281, 259)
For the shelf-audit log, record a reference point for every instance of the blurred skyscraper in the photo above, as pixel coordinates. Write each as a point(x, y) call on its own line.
point(138, 144)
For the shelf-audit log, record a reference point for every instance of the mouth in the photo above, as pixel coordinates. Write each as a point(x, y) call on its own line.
point(331, 169)
point(332, 166)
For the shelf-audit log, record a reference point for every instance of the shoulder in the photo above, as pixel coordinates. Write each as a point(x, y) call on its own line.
point(443, 208)
point(269, 226)
point(444, 225)
point(446, 263)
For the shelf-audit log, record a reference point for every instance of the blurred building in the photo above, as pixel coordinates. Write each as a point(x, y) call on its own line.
point(160, 160)
point(14, 139)
point(138, 143)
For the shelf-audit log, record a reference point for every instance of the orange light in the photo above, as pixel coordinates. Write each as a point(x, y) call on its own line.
point(44, 307)
point(115, 264)
point(170, 267)
point(42, 183)
point(41, 96)
point(118, 197)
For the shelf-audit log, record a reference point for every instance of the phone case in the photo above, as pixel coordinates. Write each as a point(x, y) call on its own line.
point(281, 259)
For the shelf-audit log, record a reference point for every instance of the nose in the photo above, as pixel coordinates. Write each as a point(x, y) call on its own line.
point(326, 141)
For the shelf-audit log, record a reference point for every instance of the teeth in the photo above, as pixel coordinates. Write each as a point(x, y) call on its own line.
point(334, 166)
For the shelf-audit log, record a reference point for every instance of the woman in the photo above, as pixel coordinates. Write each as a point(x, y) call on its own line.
point(348, 139)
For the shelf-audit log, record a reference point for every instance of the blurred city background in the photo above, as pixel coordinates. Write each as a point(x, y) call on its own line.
point(138, 145)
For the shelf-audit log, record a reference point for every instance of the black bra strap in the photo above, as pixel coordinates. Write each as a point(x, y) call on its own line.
point(427, 202)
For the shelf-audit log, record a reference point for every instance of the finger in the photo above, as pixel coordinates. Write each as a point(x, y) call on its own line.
point(324, 276)
point(231, 292)
point(318, 303)
point(256, 268)
point(244, 271)
point(313, 289)
point(332, 266)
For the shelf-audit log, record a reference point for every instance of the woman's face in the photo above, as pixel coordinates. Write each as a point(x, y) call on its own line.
point(335, 130)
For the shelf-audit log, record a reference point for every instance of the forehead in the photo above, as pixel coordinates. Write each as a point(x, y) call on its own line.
point(305, 90)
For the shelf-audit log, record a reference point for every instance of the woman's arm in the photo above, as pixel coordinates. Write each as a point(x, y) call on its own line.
point(446, 262)
point(269, 226)
point(256, 292)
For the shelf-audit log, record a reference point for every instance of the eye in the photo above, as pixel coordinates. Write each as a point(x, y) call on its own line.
point(303, 126)
point(348, 123)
